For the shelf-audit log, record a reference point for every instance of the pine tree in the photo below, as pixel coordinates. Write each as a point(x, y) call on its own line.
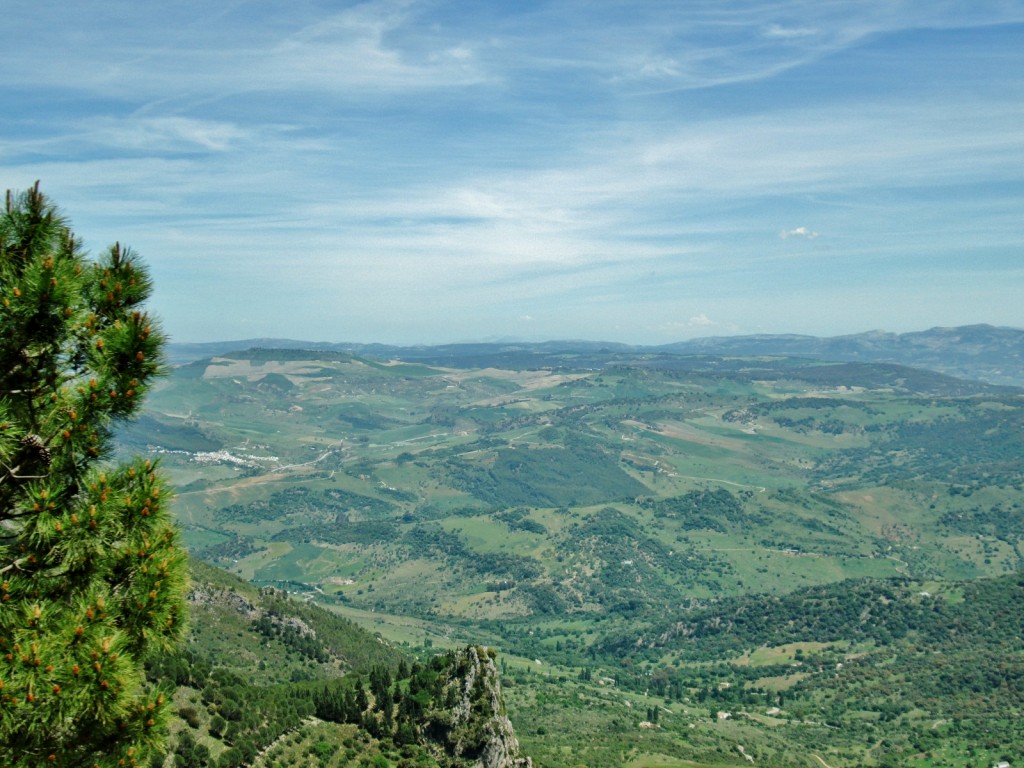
point(92, 577)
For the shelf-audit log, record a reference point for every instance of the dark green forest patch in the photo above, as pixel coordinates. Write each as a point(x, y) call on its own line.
point(546, 477)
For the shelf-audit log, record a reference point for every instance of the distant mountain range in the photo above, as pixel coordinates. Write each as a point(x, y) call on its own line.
point(980, 352)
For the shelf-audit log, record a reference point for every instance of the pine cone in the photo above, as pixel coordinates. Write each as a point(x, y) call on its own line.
point(36, 444)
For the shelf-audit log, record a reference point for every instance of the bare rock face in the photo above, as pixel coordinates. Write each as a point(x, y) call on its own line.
point(502, 747)
point(475, 728)
point(205, 595)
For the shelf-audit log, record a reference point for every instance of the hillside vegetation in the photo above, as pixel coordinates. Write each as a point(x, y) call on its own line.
point(266, 679)
point(648, 538)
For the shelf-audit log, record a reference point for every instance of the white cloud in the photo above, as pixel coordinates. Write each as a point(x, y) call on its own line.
point(377, 44)
point(803, 232)
point(777, 30)
point(162, 134)
point(192, 52)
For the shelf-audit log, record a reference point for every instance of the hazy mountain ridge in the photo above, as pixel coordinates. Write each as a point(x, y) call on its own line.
point(980, 352)
point(983, 352)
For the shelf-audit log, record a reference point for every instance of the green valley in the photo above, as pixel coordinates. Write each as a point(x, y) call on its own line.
point(681, 560)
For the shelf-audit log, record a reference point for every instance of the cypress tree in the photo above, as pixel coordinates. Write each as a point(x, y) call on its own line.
point(92, 577)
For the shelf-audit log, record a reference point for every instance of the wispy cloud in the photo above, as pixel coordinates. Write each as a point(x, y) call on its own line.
point(159, 135)
point(377, 44)
point(802, 232)
point(777, 30)
point(381, 45)
point(367, 166)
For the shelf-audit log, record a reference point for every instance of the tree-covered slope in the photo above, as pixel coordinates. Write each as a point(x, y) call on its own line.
point(266, 677)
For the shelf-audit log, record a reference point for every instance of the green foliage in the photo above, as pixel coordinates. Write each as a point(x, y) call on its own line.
point(368, 704)
point(877, 612)
point(632, 569)
point(451, 705)
point(517, 519)
point(332, 505)
point(303, 642)
point(997, 520)
point(711, 510)
point(93, 579)
point(971, 442)
point(252, 666)
point(232, 548)
point(342, 532)
point(883, 662)
point(546, 477)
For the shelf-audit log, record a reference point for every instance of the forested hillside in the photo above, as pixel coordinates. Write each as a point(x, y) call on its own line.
point(648, 540)
point(267, 679)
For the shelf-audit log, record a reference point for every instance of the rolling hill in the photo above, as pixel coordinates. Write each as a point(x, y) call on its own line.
point(579, 507)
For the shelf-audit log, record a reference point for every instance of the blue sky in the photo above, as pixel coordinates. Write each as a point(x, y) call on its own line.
point(410, 171)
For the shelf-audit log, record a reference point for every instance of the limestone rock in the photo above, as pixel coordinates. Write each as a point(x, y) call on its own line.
point(475, 728)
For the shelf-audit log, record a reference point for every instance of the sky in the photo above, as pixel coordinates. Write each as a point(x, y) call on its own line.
point(422, 171)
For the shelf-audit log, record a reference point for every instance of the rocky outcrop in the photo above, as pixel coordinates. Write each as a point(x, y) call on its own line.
point(474, 728)
point(204, 594)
